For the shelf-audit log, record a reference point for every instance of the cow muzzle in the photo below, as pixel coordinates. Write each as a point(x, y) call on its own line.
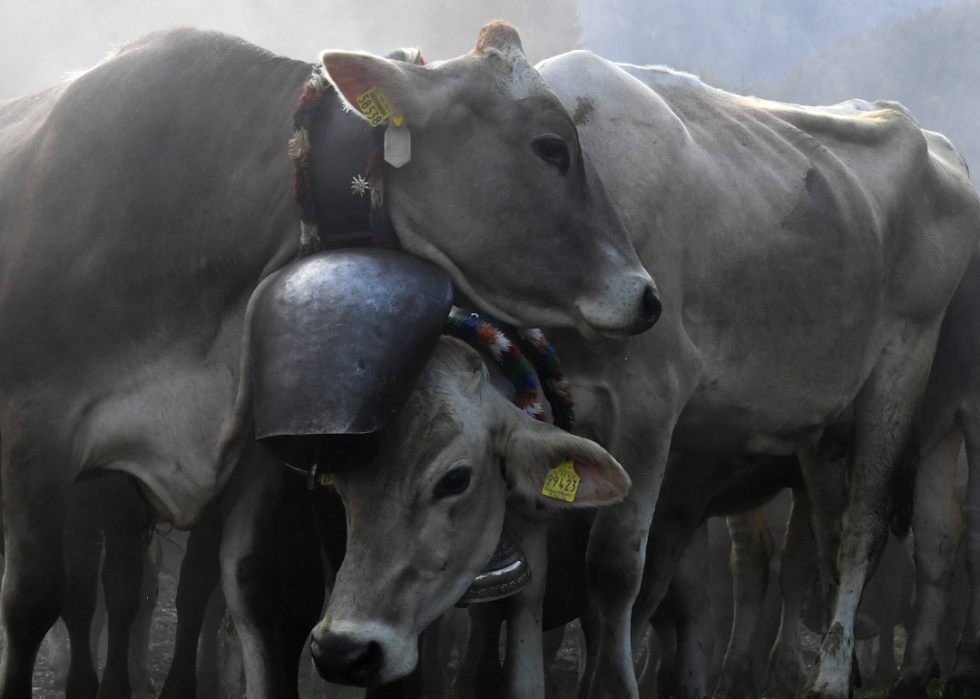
point(627, 305)
point(363, 653)
point(343, 660)
point(652, 308)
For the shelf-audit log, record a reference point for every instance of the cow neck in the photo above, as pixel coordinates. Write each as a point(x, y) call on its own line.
point(526, 357)
point(310, 242)
point(507, 572)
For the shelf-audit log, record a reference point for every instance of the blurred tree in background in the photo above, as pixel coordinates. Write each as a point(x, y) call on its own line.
point(740, 41)
point(930, 63)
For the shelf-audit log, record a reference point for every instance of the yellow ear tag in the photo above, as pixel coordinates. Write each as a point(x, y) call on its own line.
point(561, 483)
point(326, 480)
point(374, 105)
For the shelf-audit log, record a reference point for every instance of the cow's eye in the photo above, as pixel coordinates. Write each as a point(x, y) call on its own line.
point(454, 482)
point(552, 149)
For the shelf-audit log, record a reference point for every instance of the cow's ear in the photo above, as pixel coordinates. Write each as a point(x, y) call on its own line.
point(554, 469)
point(375, 87)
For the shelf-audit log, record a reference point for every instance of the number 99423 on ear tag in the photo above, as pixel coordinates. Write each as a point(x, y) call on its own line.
point(561, 483)
point(374, 105)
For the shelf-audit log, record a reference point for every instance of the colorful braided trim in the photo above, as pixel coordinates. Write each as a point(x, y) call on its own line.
point(554, 381)
point(481, 331)
point(299, 151)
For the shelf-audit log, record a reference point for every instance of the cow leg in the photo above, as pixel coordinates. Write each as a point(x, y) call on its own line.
point(139, 640)
point(552, 641)
point(938, 529)
point(752, 549)
point(209, 670)
point(686, 491)
point(83, 548)
point(964, 680)
point(479, 675)
point(826, 486)
point(692, 618)
point(249, 576)
point(300, 573)
point(590, 641)
point(786, 672)
point(884, 670)
point(616, 556)
point(431, 675)
point(35, 499)
point(648, 673)
point(882, 479)
point(199, 574)
point(524, 661)
point(126, 523)
point(663, 630)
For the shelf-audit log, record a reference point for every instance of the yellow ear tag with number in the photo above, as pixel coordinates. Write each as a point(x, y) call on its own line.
point(561, 483)
point(326, 480)
point(374, 105)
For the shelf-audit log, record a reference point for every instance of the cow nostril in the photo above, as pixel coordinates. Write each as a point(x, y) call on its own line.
point(344, 661)
point(651, 306)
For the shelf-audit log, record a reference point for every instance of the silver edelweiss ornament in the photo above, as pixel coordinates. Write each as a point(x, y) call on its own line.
point(359, 186)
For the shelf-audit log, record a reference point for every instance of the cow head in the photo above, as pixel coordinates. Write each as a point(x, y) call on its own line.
point(426, 516)
point(498, 191)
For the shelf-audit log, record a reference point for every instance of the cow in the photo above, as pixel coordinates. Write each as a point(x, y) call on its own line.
point(143, 202)
point(805, 256)
point(482, 461)
point(945, 416)
point(946, 419)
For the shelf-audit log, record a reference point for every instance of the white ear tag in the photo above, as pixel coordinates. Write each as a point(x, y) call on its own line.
point(398, 143)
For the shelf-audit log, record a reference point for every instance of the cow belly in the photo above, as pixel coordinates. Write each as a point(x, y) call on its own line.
point(768, 412)
point(736, 431)
point(164, 428)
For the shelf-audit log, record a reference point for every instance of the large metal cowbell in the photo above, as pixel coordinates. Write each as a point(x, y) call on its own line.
point(338, 340)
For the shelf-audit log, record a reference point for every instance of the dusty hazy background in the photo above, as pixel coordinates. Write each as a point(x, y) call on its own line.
point(924, 53)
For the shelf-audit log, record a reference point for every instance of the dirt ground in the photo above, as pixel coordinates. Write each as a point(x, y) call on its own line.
point(162, 630)
point(565, 668)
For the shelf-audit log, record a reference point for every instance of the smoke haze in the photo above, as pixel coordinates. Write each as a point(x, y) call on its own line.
point(924, 53)
point(41, 43)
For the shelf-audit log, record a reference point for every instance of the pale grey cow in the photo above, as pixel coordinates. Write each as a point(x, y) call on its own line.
point(813, 252)
point(143, 202)
point(427, 514)
point(806, 257)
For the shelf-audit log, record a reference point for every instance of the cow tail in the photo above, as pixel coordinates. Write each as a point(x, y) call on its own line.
point(903, 485)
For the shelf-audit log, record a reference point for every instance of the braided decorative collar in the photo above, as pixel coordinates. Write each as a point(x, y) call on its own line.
point(520, 367)
point(382, 231)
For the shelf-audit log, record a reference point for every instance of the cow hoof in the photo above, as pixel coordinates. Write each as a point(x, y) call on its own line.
point(738, 685)
point(832, 672)
point(811, 693)
point(908, 690)
point(962, 687)
point(784, 679)
point(82, 685)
